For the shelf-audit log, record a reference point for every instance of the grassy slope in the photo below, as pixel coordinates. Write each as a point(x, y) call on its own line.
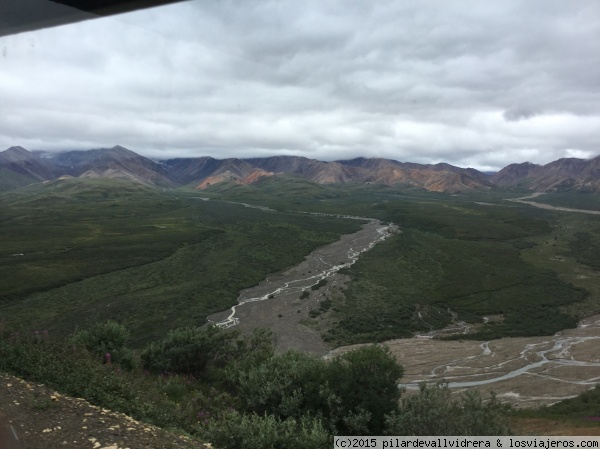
point(10, 180)
point(152, 260)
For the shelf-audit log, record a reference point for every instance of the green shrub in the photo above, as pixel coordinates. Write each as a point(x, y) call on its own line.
point(586, 405)
point(365, 381)
point(314, 313)
point(202, 351)
point(326, 304)
point(236, 431)
point(106, 338)
point(351, 393)
point(434, 412)
point(285, 385)
point(318, 285)
point(190, 350)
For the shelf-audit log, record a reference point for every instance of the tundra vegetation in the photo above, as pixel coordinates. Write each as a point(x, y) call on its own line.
point(153, 260)
point(237, 392)
point(110, 267)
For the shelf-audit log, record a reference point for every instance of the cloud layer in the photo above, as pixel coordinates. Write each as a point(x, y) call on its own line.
point(478, 84)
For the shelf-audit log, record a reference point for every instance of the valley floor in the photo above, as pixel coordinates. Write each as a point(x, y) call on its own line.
point(525, 371)
point(277, 302)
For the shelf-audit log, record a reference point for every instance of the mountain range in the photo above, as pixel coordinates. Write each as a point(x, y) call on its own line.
point(19, 167)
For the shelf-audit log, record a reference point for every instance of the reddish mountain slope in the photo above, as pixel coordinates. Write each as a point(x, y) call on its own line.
point(233, 170)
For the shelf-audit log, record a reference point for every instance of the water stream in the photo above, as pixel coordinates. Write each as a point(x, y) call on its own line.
point(556, 351)
point(324, 265)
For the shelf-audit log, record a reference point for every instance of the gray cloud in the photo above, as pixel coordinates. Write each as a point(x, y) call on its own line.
point(471, 83)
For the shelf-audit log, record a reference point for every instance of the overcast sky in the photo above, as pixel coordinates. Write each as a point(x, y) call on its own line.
point(472, 83)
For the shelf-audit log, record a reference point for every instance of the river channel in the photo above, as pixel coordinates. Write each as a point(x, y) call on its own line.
point(277, 303)
point(523, 200)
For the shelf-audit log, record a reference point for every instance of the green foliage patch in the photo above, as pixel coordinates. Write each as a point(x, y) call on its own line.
point(318, 285)
point(352, 393)
point(585, 248)
point(435, 412)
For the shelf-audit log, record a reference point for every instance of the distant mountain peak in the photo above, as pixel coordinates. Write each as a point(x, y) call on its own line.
point(122, 150)
point(18, 160)
point(16, 149)
point(18, 153)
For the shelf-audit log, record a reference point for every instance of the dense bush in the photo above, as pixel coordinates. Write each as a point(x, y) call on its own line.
point(286, 385)
point(196, 351)
point(351, 393)
point(318, 285)
point(434, 412)
point(237, 431)
point(186, 350)
point(107, 341)
point(365, 381)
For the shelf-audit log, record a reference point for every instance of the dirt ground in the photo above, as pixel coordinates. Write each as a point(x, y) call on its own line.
point(44, 419)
